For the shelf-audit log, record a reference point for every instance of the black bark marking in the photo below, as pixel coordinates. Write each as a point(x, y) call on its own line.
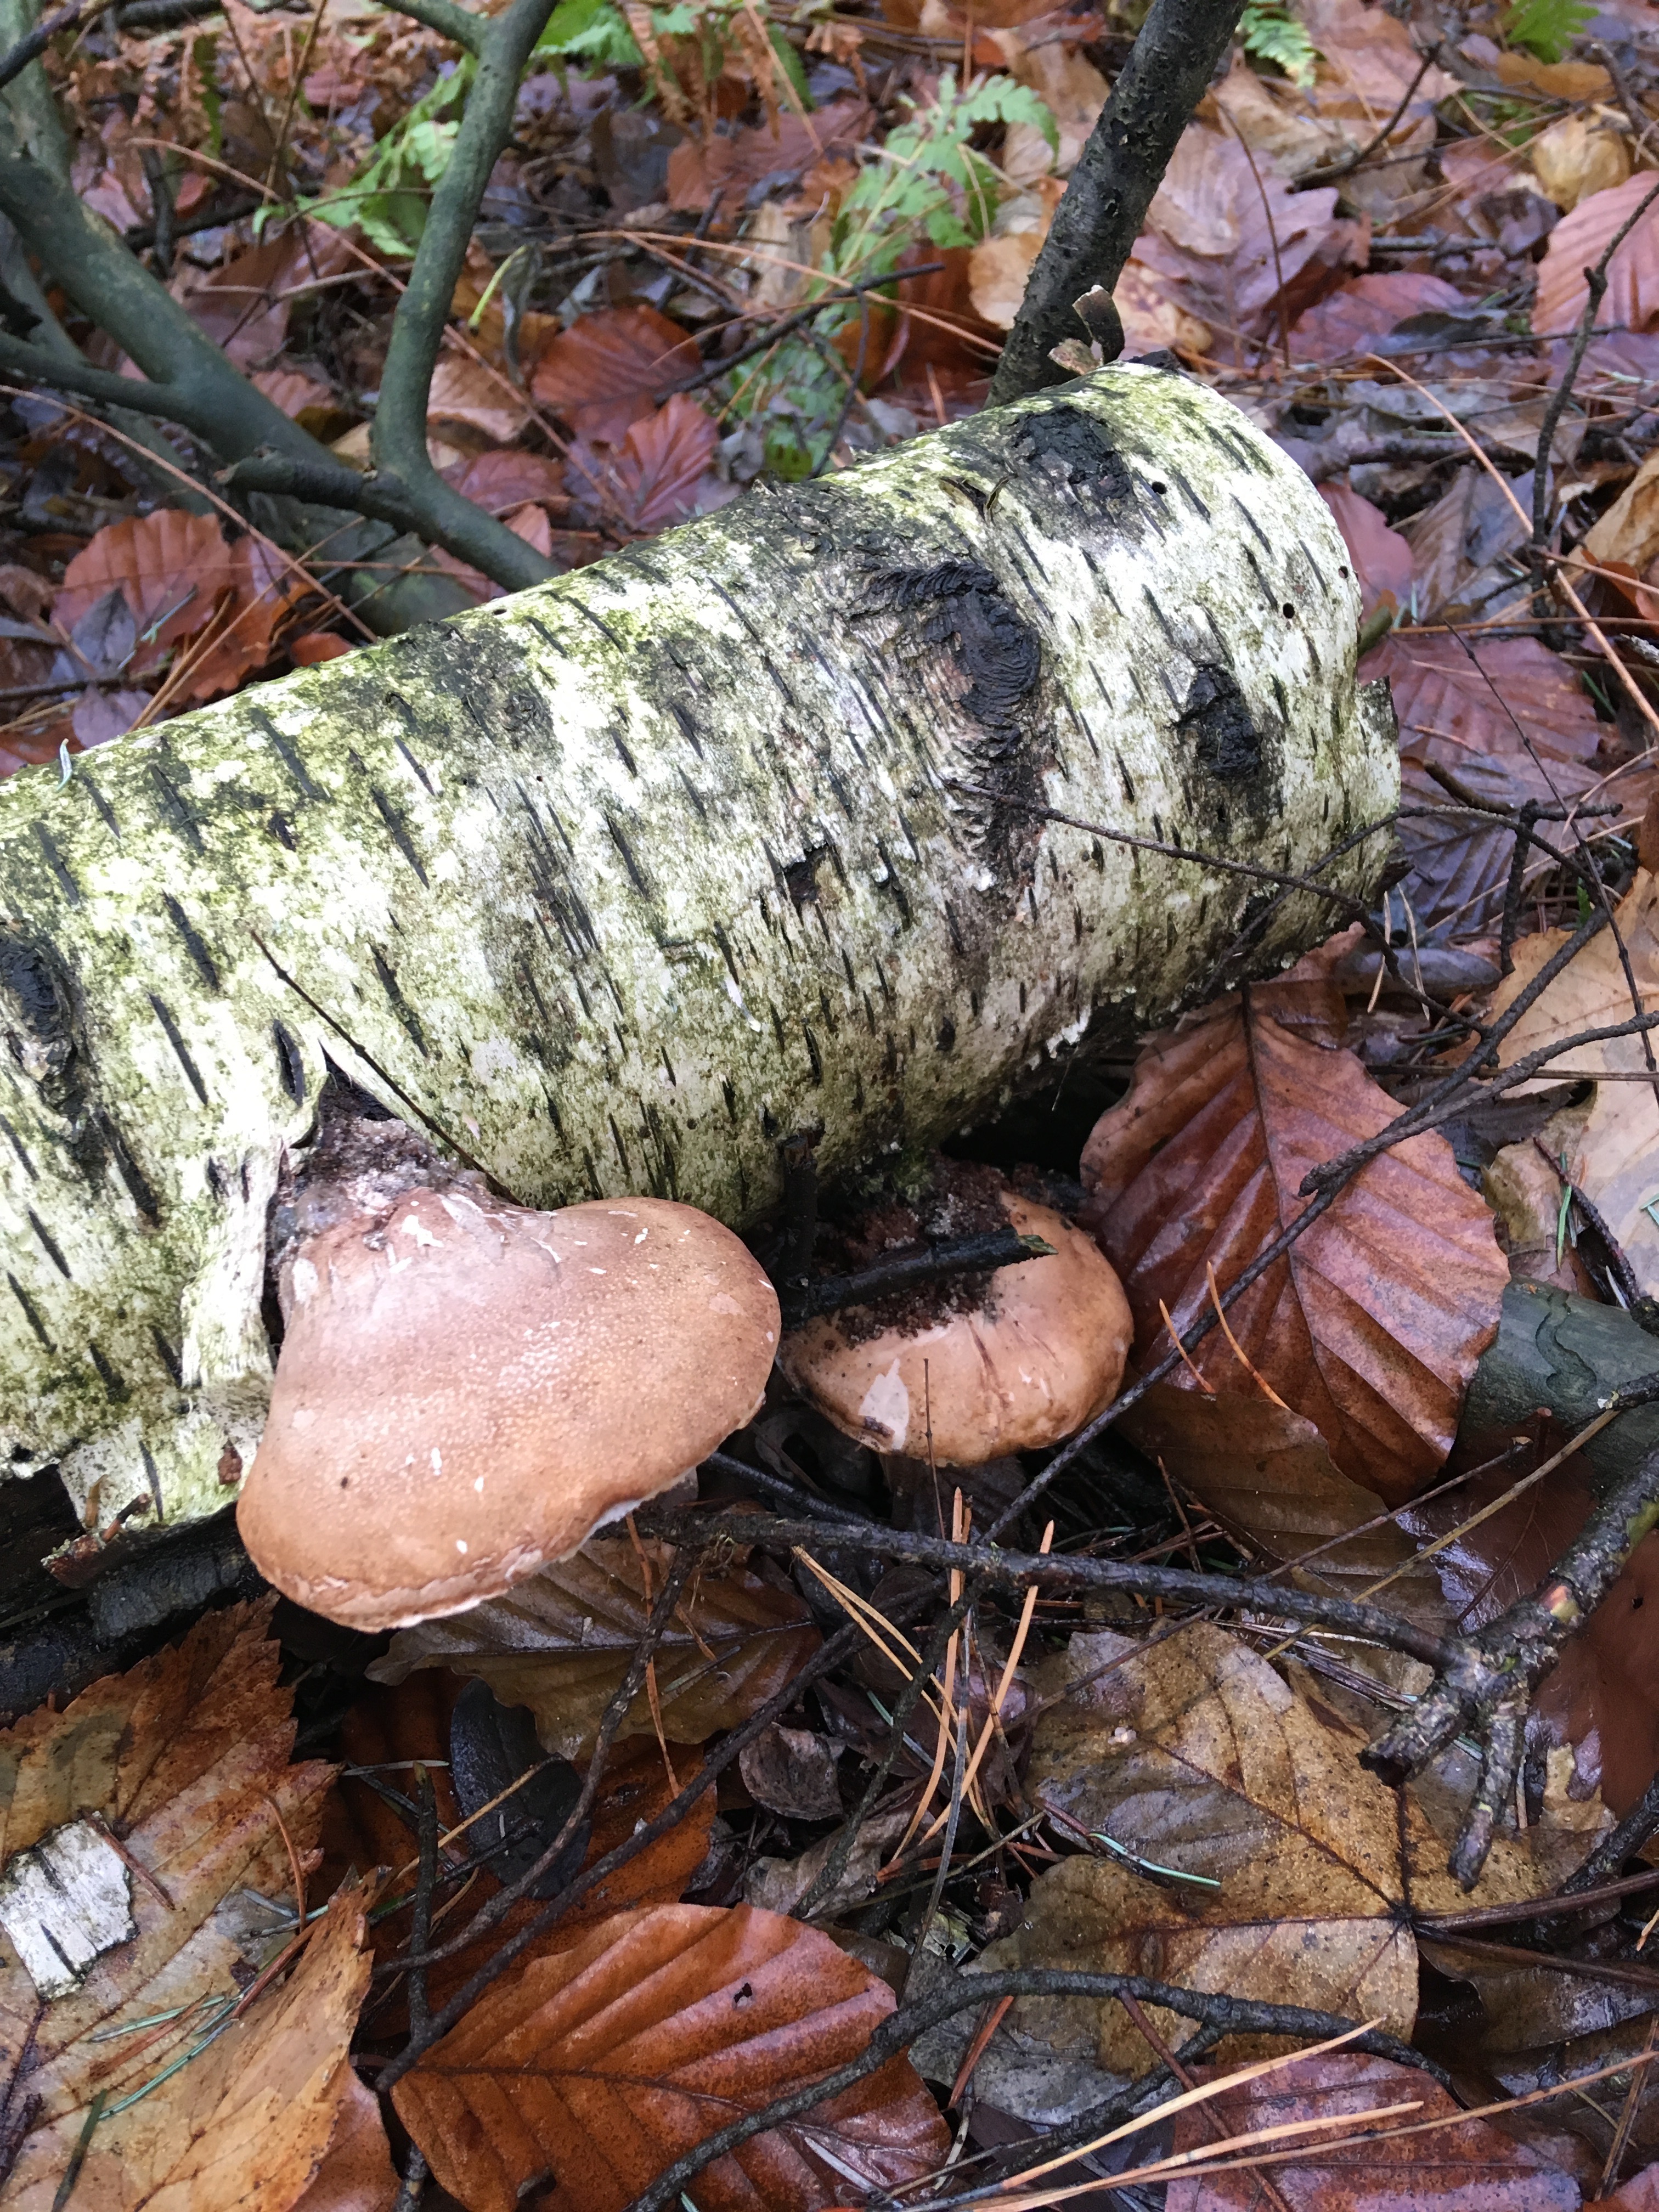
point(731, 1099)
point(181, 1051)
point(724, 945)
point(290, 1063)
point(16, 1144)
point(29, 1312)
point(106, 811)
point(1282, 703)
point(954, 927)
point(688, 727)
point(1069, 450)
point(136, 1183)
point(1263, 583)
point(283, 747)
point(669, 1066)
point(616, 1140)
point(154, 1479)
point(947, 1036)
point(1081, 727)
point(759, 642)
point(699, 802)
point(636, 874)
point(169, 1356)
point(1191, 496)
point(193, 942)
point(400, 1005)
point(415, 766)
point(54, 861)
point(893, 886)
point(546, 635)
point(397, 831)
point(115, 1386)
point(813, 1054)
point(277, 827)
point(49, 1246)
point(1159, 617)
point(1262, 537)
point(174, 809)
point(622, 753)
point(599, 624)
point(1226, 741)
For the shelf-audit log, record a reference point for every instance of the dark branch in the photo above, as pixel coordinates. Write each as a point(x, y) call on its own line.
point(1099, 219)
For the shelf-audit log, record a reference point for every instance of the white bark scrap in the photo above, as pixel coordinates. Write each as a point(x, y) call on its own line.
point(65, 1902)
point(615, 884)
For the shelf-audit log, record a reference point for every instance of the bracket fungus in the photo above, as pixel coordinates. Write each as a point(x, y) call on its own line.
point(1007, 1360)
point(467, 1388)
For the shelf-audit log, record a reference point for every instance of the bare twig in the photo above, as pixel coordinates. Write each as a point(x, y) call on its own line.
point(1334, 171)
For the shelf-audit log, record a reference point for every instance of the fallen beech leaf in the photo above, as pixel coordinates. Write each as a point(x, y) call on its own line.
point(1571, 81)
point(1382, 557)
point(316, 647)
point(605, 371)
point(1462, 547)
point(998, 271)
point(1266, 1475)
point(562, 1641)
point(1371, 1323)
point(733, 165)
point(657, 476)
point(1196, 1755)
point(1211, 236)
point(1507, 721)
point(1151, 321)
point(1578, 243)
point(1349, 320)
point(243, 305)
point(1628, 533)
point(184, 1760)
point(1373, 59)
point(1466, 2164)
point(464, 390)
point(356, 2174)
point(1639, 2194)
point(298, 393)
point(502, 480)
point(1612, 1161)
point(603, 2064)
point(793, 1771)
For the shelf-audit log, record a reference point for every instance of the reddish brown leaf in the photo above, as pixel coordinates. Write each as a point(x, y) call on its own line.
point(1467, 2166)
point(1578, 243)
point(503, 480)
point(656, 477)
point(244, 306)
point(605, 371)
point(356, 2174)
point(1359, 313)
point(1640, 2194)
point(1506, 721)
point(604, 2063)
point(735, 163)
point(1371, 1324)
point(1382, 557)
point(316, 647)
point(466, 390)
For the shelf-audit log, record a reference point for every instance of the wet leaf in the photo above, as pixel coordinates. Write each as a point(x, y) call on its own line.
point(606, 370)
point(1578, 243)
point(1382, 557)
point(1466, 2165)
point(503, 480)
point(356, 2174)
point(562, 1641)
point(1195, 1757)
point(660, 473)
point(1371, 1324)
point(184, 1760)
point(1613, 1160)
point(734, 165)
point(1349, 321)
point(599, 2067)
point(793, 1771)
point(1506, 721)
point(1266, 1475)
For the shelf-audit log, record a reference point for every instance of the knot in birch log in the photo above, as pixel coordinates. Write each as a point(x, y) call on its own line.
point(614, 885)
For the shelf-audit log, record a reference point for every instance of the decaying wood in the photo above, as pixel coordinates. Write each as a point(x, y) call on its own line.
point(615, 884)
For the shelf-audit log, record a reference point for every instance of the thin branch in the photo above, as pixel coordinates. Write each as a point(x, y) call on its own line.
point(34, 43)
point(1334, 171)
point(18, 358)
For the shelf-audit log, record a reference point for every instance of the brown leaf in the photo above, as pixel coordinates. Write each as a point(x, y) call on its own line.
point(1507, 721)
point(1578, 243)
point(1466, 2163)
point(793, 1771)
point(356, 2174)
point(185, 1759)
point(1578, 156)
point(1350, 320)
point(1382, 557)
point(736, 163)
point(503, 480)
point(466, 390)
point(1371, 1323)
point(1266, 1475)
point(561, 1643)
point(603, 2064)
point(243, 305)
point(1612, 1161)
point(1209, 246)
point(604, 373)
point(1639, 2194)
point(658, 474)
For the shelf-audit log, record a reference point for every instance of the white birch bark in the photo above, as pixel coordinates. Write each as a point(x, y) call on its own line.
point(615, 884)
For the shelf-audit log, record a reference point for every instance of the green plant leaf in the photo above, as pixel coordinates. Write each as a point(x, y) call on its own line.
point(593, 30)
point(1546, 28)
point(1268, 32)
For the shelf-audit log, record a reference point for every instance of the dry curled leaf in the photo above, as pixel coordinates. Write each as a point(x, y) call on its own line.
point(597, 2067)
point(608, 370)
point(562, 1641)
point(1371, 1324)
point(184, 1760)
point(1465, 2164)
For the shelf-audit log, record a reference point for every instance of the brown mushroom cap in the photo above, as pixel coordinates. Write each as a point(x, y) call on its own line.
point(466, 1388)
point(1040, 1353)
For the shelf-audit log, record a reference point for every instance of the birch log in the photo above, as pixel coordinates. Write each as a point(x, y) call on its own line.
point(614, 885)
